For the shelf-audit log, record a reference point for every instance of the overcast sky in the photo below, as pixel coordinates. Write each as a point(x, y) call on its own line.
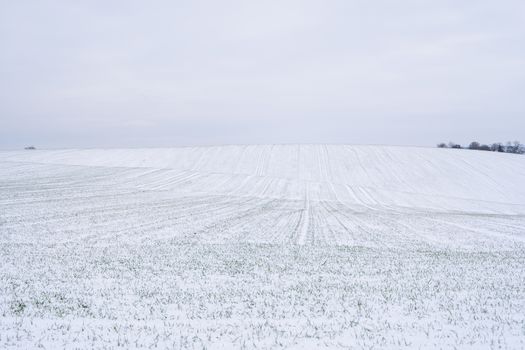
point(168, 73)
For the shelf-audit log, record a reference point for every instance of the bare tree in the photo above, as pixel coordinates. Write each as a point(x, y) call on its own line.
point(497, 147)
point(474, 145)
point(453, 145)
point(518, 148)
point(484, 147)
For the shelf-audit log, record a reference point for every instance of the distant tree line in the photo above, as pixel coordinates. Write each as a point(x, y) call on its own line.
point(510, 147)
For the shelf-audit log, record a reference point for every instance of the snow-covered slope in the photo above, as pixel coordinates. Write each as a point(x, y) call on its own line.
point(373, 176)
point(268, 247)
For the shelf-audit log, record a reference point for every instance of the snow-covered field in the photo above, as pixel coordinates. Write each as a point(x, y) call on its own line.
point(271, 246)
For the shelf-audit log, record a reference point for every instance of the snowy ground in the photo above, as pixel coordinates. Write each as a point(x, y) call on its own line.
point(262, 247)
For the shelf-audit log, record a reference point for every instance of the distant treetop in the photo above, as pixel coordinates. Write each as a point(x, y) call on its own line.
point(510, 147)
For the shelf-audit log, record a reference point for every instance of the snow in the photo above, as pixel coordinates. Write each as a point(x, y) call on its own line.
point(263, 246)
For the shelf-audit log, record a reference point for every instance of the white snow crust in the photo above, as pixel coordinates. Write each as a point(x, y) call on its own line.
point(262, 246)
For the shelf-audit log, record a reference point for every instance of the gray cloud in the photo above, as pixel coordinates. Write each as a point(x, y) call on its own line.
point(162, 73)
